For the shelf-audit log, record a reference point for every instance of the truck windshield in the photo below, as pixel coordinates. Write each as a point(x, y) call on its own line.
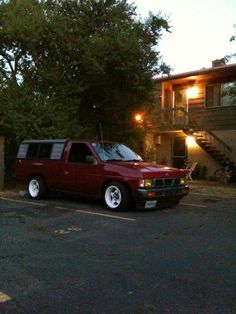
point(115, 152)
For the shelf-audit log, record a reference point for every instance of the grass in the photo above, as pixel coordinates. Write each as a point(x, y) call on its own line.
point(41, 228)
point(21, 218)
point(4, 257)
point(213, 188)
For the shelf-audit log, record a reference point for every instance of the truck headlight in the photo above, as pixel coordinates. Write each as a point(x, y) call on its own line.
point(145, 183)
point(183, 181)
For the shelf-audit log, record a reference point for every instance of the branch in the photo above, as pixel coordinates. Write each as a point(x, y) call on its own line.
point(4, 74)
point(5, 56)
point(13, 68)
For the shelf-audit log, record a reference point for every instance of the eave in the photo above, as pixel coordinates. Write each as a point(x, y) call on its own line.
point(202, 74)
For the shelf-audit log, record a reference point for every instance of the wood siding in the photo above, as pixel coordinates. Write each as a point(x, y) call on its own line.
point(221, 118)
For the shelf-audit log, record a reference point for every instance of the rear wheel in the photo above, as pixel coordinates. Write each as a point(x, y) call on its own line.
point(37, 187)
point(117, 196)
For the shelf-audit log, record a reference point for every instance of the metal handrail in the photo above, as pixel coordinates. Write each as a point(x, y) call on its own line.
point(215, 141)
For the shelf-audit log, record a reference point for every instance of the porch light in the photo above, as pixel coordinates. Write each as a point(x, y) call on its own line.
point(192, 92)
point(138, 118)
point(190, 141)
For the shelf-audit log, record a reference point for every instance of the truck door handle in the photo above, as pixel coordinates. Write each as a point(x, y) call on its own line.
point(66, 172)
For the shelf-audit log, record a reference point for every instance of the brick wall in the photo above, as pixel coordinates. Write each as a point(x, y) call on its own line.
point(2, 166)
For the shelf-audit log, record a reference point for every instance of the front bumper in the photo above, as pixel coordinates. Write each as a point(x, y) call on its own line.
point(151, 198)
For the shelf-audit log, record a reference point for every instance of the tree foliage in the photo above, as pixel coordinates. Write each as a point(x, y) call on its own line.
point(232, 39)
point(68, 66)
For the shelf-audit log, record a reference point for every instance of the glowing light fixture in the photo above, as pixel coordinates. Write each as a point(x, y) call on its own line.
point(192, 92)
point(190, 140)
point(138, 117)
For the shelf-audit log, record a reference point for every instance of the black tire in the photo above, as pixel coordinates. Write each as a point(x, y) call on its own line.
point(219, 174)
point(117, 196)
point(37, 188)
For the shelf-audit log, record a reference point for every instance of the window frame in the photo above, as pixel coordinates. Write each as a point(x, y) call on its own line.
point(219, 97)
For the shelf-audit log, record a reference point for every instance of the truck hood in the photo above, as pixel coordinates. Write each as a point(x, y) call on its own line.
point(144, 169)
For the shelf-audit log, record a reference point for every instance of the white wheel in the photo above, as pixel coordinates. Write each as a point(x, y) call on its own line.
point(113, 196)
point(34, 188)
point(117, 196)
point(37, 187)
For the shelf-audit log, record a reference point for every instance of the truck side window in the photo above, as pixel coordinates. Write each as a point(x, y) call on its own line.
point(36, 150)
point(32, 151)
point(79, 152)
point(45, 150)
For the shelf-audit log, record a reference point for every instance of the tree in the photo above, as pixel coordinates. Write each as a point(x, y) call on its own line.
point(232, 38)
point(230, 90)
point(76, 63)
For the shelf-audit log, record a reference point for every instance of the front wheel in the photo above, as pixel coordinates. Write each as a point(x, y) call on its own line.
point(37, 187)
point(117, 196)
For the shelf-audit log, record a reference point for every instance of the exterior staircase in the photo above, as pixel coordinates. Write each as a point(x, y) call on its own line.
point(193, 125)
point(213, 145)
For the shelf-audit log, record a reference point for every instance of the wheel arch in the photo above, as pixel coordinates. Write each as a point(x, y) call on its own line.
point(33, 175)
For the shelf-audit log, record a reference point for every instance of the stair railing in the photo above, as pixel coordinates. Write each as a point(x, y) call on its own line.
point(215, 141)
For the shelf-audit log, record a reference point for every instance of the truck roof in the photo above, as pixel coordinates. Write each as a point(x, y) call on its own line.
point(52, 141)
point(45, 141)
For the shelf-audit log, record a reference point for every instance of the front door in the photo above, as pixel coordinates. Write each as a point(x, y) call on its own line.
point(179, 152)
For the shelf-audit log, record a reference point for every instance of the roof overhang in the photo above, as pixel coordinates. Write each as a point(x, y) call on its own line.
point(205, 73)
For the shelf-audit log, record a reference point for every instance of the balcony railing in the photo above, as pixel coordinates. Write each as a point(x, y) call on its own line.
point(174, 118)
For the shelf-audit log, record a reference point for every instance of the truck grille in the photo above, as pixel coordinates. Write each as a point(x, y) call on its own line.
point(167, 182)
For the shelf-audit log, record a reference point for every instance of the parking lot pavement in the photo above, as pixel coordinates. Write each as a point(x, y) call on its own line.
point(73, 256)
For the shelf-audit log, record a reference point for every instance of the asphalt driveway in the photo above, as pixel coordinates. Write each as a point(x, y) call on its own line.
point(73, 256)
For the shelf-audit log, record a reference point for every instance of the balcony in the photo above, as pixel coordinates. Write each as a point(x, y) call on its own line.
point(174, 119)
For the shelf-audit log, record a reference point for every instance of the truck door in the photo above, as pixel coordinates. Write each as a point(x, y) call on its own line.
point(79, 174)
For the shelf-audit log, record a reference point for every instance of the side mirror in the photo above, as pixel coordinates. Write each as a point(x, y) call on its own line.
point(90, 159)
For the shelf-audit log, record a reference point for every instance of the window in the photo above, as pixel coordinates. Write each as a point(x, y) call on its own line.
point(57, 151)
point(115, 152)
point(79, 152)
point(229, 94)
point(221, 95)
point(180, 98)
point(33, 151)
point(45, 150)
point(37, 150)
point(22, 152)
point(41, 149)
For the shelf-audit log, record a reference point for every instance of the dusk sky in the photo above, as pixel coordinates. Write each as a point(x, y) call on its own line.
point(200, 31)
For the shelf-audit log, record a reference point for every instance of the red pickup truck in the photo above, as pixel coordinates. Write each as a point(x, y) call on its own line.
point(107, 170)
